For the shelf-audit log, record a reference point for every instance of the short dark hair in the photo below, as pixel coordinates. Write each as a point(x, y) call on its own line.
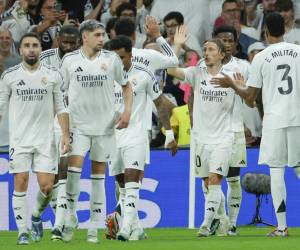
point(69, 30)
point(111, 24)
point(125, 26)
point(174, 15)
point(225, 29)
point(30, 34)
point(275, 24)
point(120, 42)
point(125, 6)
point(229, 1)
point(284, 5)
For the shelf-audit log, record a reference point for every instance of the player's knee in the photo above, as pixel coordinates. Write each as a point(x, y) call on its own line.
point(46, 188)
point(20, 182)
point(214, 179)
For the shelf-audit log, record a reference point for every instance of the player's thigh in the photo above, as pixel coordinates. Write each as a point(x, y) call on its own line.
point(219, 159)
point(115, 164)
point(20, 159)
point(273, 148)
point(80, 145)
point(201, 160)
point(239, 152)
point(293, 146)
point(102, 147)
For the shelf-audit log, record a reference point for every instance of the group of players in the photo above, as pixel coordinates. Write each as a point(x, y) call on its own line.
point(98, 98)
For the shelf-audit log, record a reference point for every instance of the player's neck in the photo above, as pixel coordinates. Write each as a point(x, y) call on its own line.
point(127, 67)
point(89, 53)
point(214, 69)
point(33, 67)
point(273, 40)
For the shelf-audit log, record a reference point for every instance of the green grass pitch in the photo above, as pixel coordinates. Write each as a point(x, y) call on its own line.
point(252, 238)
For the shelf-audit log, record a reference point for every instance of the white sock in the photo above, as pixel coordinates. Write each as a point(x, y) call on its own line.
point(234, 198)
point(137, 224)
point(204, 189)
point(122, 194)
point(130, 204)
point(212, 204)
point(53, 201)
point(61, 208)
point(42, 201)
point(73, 188)
point(278, 191)
point(20, 210)
point(222, 210)
point(97, 200)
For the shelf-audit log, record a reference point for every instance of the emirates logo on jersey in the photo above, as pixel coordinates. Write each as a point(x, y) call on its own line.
point(104, 66)
point(44, 80)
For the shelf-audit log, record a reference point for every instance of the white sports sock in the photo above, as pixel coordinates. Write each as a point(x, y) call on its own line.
point(61, 208)
point(130, 204)
point(122, 194)
point(20, 210)
point(137, 224)
point(97, 200)
point(222, 210)
point(278, 191)
point(204, 189)
point(42, 201)
point(234, 198)
point(73, 188)
point(212, 204)
point(53, 201)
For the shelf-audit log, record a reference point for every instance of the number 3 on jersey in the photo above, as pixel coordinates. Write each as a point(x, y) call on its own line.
point(287, 78)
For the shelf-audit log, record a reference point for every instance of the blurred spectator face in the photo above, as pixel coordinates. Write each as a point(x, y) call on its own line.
point(94, 40)
point(2, 6)
point(30, 50)
point(191, 58)
point(268, 5)
point(68, 43)
point(5, 40)
point(48, 7)
point(32, 4)
point(288, 16)
point(171, 26)
point(228, 39)
point(231, 12)
point(128, 14)
point(212, 54)
point(147, 2)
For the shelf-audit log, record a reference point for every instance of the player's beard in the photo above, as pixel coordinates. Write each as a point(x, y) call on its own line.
point(31, 61)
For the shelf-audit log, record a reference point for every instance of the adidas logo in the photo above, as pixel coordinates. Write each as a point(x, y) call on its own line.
point(242, 162)
point(219, 169)
point(70, 200)
point(235, 205)
point(97, 210)
point(63, 206)
point(79, 69)
point(130, 205)
point(21, 83)
point(211, 209)
point(19, 217)
point(135, 164)
point(204, 83)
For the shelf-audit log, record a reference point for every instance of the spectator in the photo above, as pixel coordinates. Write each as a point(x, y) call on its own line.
point(143, 11)
point(172, 21)
point(286, 10)
point(110, 27)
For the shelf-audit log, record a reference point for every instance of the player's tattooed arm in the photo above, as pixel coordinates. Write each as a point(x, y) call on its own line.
point(164, 109)
point(123, 121)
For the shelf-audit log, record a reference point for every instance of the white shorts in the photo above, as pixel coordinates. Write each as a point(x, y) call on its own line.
point(280, 147)
point(212, 158)
point(239, 151)
point(100, 147)
point(41, 159)
point(128, 157)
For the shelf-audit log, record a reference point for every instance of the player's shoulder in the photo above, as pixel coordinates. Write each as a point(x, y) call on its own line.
point(240, 61)
point(47, 53)
point(71, 56)
point(145, 71)
point(11, 71)
point(107, 53)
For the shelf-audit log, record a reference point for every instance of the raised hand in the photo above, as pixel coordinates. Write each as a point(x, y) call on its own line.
point(181, 35)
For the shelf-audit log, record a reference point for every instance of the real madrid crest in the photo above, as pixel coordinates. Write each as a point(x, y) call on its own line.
point(104, 66)
point(44, 80)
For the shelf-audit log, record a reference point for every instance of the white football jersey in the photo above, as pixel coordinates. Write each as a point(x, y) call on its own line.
point(144, 85)
point(238, 66)
point(276, 70)
point(153, 60)
point(51, 58)
point(293, 36)
point(33, 98)
point(212, 108)
point(90, 90)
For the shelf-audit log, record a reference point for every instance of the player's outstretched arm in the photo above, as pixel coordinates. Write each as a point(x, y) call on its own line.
point(123, 121)
point(249, 94)
point(63, 120)
point(164, 109)
point(176, 72)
